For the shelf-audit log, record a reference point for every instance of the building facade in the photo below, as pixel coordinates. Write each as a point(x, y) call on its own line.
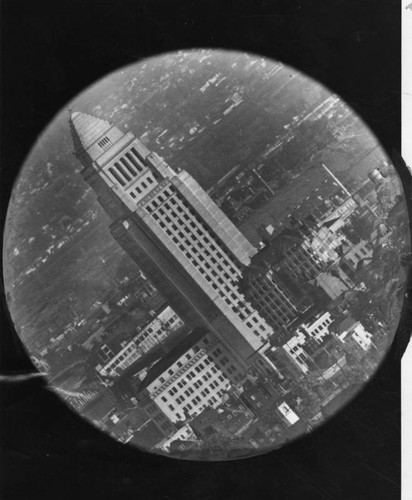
point(318, 329)
point(271, 298)
point(301, 263)
point(353, 333)
point(194, 376)
point(159, 329)
point(112, 363)
point(170, 226)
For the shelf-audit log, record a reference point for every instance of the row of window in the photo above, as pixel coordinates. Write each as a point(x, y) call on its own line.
point(190, 218)
point(127, 168)
point(188, 214)
point(208, 271)
point(104, 142)
point(205, 378)
point(187, 230)
point(142, 186)
point(125, 355)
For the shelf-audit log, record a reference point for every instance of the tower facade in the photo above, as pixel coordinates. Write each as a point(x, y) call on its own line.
point(175, 232)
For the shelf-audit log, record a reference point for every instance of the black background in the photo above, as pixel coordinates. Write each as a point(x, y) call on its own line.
point(49, 52)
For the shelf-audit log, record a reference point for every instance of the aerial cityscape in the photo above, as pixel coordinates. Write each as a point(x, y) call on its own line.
point(206, 254)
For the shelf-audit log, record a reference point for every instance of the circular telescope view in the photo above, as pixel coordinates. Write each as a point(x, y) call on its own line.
point(205, 254)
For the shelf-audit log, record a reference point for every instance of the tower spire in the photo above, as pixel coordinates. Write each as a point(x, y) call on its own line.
point(87, 130)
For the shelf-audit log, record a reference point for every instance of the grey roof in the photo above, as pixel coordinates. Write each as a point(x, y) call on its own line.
point(344, 325)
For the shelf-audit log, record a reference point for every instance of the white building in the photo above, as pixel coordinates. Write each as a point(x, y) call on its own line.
point(159, 329)
point(116, 362)
point(319, 328)
point(195, 375)
point(324, 243)
point(185, 433)
point(296, 352)
point(288, 414)
point(325, 240)
point(356, 332)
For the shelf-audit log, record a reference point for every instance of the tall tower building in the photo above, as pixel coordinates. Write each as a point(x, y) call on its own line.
point(175, 232)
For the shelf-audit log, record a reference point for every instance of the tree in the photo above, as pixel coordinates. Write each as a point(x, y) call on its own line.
point(368, 309)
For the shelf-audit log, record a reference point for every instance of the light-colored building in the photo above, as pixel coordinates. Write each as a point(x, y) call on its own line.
point(288, 414)
point(294, 348)
point(195, 375)
point(159, 329)
point(316, 330)
point(324, 243)
point(185, 433)
point(356, 333)
point(319, 328)
point(114, 363)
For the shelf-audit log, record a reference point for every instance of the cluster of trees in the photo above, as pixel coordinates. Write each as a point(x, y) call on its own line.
point(359, 228)
point(370, 309)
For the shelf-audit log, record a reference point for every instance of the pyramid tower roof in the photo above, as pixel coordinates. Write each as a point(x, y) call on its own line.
point(86, 130)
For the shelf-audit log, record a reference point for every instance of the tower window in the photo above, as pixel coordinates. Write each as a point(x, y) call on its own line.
point(103, 142)
point(128, 166)
point(136, 154)
point(123, 171)
point(117, 176)
point(134, 161)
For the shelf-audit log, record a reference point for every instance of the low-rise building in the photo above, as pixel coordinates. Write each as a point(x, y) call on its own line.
point(159, 329)
point(115, 361)
point(324, 243)
point(354, 335)
point(184, 434)
point(334, 283)
point(193, 375)
point(357, 252)
point(289, 416)
point(294, 348)
point(297, 347)
point(319, 327)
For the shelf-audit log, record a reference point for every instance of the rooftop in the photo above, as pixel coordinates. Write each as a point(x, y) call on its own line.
point(344, 325)
point(86, 130)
